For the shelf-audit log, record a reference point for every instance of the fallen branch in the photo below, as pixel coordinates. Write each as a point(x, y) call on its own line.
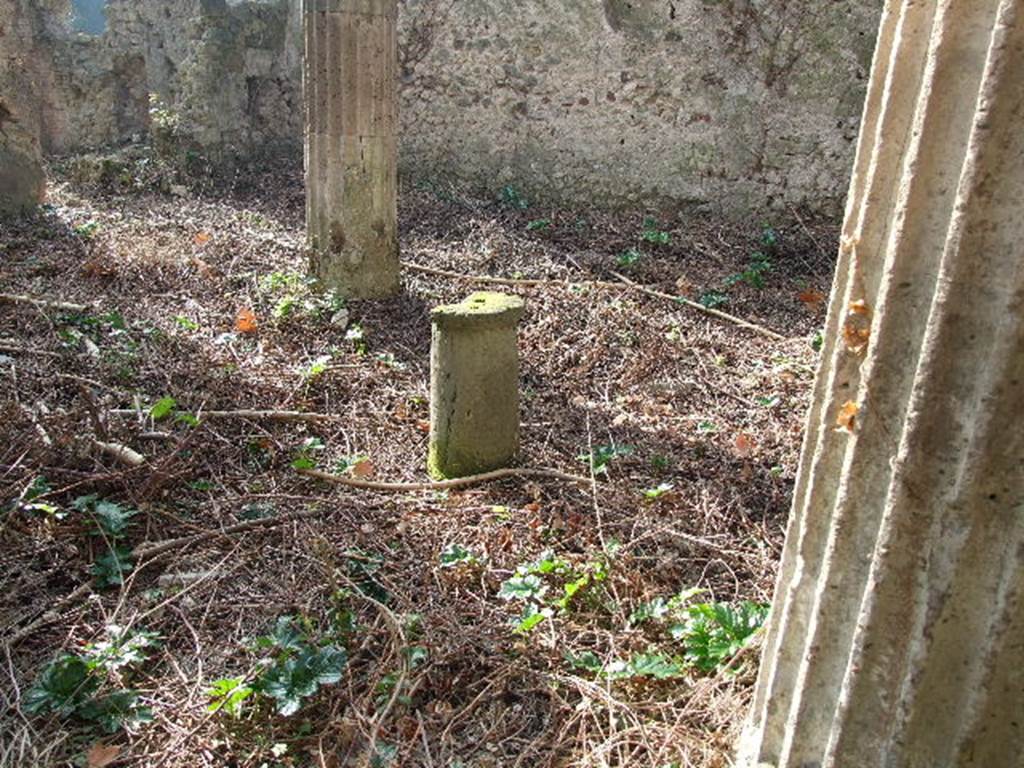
point(439, 485)
point(481, 278)
point(247, 414)
point(67, 306)
point(701, 308)
point(623, 281)
point(151, 550)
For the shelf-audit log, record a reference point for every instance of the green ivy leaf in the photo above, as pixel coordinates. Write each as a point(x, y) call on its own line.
point(113, 519)
point(655, 609)
point(454, 555)
point(64, 685)
point(162, 408)
point(587, 661)
point(115, 711)
point(656, 493)
point(531, 617)
point(571, 589)
point(522, 588)
point(656, 665)
point(292, 680)
point(188, 419)
point(228, 694)
point(628, 258)
point(111, 568)
point(284, 637)
point(121, 648)
point(712, 633)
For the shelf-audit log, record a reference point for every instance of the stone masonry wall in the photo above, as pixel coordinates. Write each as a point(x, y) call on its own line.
point(731, 105)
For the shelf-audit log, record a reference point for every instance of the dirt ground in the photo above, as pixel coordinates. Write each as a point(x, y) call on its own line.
point(436, 673)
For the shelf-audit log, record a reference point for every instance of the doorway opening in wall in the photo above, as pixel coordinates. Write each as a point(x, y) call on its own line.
point(89, 16)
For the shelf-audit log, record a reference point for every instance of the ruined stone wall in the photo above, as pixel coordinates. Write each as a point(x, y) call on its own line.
point(229, 71)
point(733, 105)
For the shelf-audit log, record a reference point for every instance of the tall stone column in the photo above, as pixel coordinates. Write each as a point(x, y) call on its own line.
point(351, 158)
point(897, 634)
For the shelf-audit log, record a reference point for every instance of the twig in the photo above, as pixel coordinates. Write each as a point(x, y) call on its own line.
point(67, 306)
point(93, 410)
point(458, 482)
point(480, 278)
point(48, 616)
point(247, 414)
point(6, 346)
point(423, 737)
point(40, 429)
point(403, 671)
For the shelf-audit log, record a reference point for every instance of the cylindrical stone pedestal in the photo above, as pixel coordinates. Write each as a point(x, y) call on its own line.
point(474, 385)
point(897, 630)
point(351, 157)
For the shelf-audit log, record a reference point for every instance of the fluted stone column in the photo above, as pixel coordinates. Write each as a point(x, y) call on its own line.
point(474, 385)
point(897, 634)
point(351, 164)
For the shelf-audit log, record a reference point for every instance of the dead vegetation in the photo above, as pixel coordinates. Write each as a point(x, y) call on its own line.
point(198, 299)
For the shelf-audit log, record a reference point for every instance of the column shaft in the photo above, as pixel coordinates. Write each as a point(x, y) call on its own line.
point(896, 635)
point(351, 153)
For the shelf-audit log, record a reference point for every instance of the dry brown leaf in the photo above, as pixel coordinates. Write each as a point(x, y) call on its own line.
point(811, 298)
point(98, 267)
point(101, 755)
point(245, 321)
point(204, 268)
point(847, 418)
point(744, 444)
point(856, 338)
point(202, 238)
point(860, 307)
point(363, 468)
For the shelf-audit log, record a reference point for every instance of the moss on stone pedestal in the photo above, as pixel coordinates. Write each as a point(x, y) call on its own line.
point(474, 405)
